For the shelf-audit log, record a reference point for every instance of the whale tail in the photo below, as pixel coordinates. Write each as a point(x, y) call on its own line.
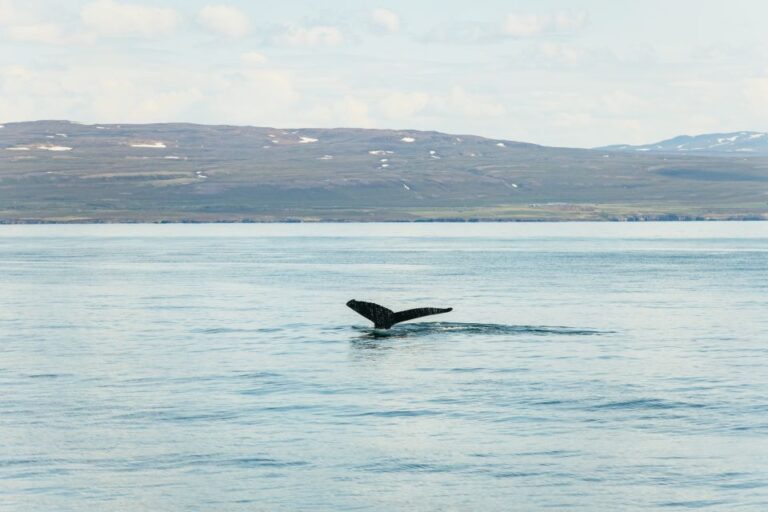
point(384, 318)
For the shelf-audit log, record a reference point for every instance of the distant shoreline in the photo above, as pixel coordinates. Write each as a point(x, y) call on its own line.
point(382, 221)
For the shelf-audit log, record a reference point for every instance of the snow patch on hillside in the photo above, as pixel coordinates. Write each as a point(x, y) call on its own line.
point(149, 145)
point(54, 148)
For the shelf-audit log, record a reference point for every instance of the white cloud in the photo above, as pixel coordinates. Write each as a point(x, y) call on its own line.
point(406, 106)
point(572, 120)
point(401, 105)
point(253, 58)
point(522, 25)
point(319, 35)
point(258, 96)
point(95, 93)
point(621, 103)
point(569, 21)
point(21, 26)
point(469, 105)
point(465, 32)
point(146, 104)
point(44, 33)
point(8, 12)
point(24, 25)
point(756, 91)
point(112, 18)
point(225, 20)
point(513, 26)
point(561, 53)
point(128, 93)
point(575, 109)
point(386, 20)
point(350, 111)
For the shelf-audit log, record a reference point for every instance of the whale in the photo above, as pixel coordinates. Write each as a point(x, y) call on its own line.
point(384, 318)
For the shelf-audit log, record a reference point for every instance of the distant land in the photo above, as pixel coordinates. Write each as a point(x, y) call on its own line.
point(740, 143)
point(60, 171)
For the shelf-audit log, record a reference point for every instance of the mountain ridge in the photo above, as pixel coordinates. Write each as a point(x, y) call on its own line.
point(745, 143)
point(60, 171)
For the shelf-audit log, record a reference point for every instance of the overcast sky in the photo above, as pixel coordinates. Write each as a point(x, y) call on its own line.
point(568, 73)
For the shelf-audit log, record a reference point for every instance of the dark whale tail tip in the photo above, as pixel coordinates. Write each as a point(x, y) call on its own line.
point(384, 318)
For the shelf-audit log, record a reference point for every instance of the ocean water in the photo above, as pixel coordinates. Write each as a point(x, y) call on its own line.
point(216, 367)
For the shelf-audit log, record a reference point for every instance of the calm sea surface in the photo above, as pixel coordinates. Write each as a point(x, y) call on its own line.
point(594, 367)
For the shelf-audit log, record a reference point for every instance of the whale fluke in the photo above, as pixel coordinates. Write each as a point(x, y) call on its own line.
point(384, 318)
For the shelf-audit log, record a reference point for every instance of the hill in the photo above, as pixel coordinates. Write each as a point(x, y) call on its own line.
point(741, 143)
point(59, 171)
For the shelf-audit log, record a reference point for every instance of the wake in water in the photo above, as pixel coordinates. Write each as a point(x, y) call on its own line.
point(437, 328)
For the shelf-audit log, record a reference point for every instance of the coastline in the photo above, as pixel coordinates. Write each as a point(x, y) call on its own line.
point(746, 218)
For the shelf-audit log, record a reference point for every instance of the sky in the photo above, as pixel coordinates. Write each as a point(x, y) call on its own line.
point(579, 73)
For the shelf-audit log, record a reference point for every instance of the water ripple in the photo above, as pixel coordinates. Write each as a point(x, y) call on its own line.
point(454, 328)
point(648, 403)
